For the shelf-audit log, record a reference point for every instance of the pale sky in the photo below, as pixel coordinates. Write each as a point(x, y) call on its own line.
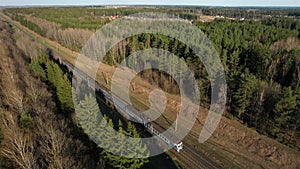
point(292, 3)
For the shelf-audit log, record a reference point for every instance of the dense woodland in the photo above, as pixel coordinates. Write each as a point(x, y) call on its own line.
point(263, 70)
point(262, 64)
point(36, 131)
point(39, 128)
point(261, 58)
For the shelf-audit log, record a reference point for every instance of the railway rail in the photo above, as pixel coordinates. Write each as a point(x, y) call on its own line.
point(153, 128)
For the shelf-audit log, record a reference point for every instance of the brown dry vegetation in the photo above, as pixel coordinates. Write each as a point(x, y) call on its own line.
point(71, 38)
point(45, 139)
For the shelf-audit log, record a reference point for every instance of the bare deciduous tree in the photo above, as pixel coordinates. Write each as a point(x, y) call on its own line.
point(14, 97)
point(57, 148)
point(18, 145)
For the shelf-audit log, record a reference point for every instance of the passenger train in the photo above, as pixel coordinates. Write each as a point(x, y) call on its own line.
point(152, 127)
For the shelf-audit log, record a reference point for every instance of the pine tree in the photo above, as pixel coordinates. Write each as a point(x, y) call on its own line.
point(87, 113)
point(245, 93)
point(126, 147)
point(285, 108)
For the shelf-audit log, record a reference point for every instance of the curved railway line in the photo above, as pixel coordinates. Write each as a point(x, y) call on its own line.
point(187, 156)
point(191, 159)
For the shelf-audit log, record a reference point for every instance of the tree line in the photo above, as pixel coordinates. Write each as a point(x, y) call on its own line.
point(88, 116)
point(250, 12)
point(28, 24)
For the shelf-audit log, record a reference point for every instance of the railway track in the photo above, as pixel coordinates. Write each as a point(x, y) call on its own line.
point(192, 159)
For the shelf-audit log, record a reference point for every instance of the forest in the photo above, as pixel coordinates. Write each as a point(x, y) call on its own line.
point(261, 57)
point(38, 124)
point(262, 65)
point(262, 69)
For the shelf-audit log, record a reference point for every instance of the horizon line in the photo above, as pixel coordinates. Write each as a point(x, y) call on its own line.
point(187, 5)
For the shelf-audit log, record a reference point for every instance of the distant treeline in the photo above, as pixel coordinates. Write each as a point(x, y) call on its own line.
point(94, 17)
point(29, 24)
point(252, 13)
